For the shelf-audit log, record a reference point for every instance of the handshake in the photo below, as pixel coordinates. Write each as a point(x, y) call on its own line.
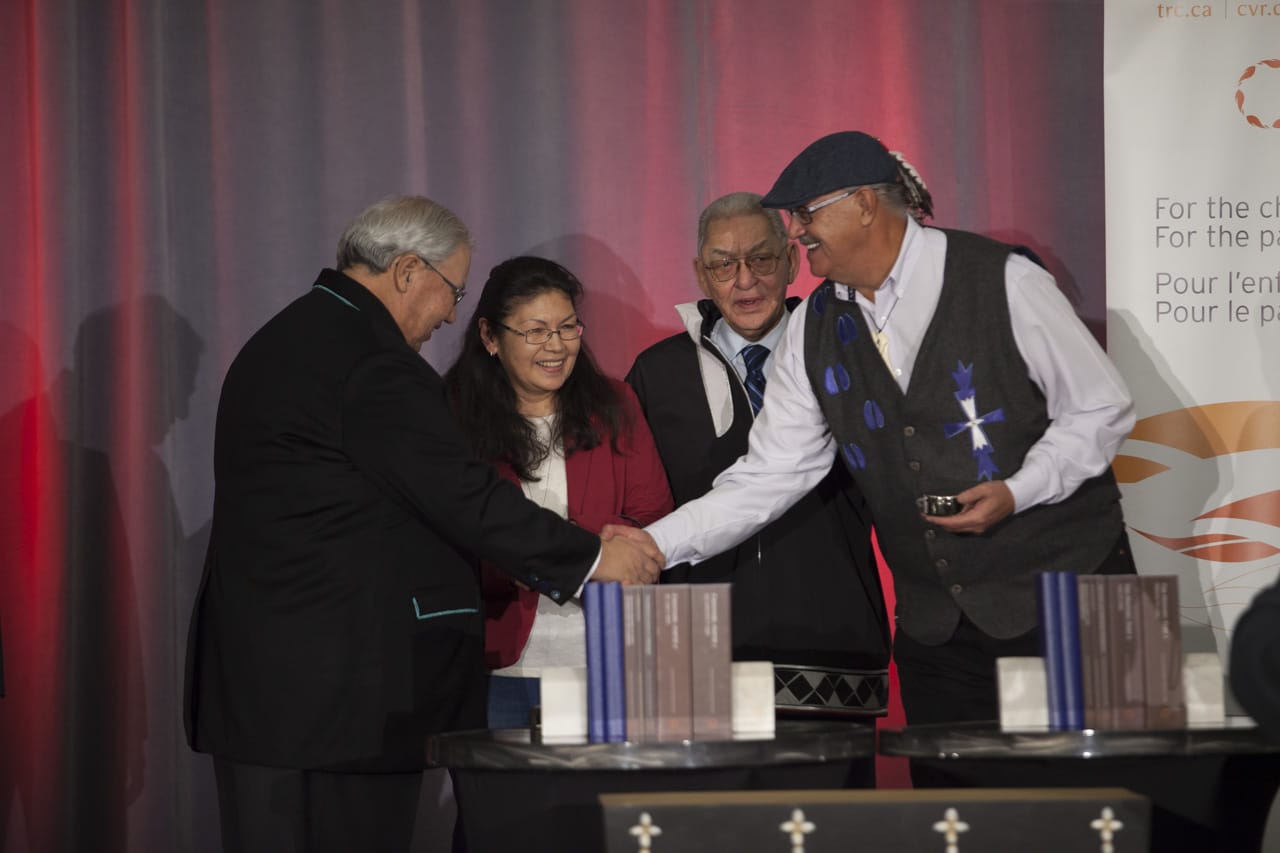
point(628, 555)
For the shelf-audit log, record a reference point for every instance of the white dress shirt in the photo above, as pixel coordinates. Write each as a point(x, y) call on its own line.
point(790, 448)
point(730, 344)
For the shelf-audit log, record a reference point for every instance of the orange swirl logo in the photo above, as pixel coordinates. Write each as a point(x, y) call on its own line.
point(1250, 79)
point(1205, 437)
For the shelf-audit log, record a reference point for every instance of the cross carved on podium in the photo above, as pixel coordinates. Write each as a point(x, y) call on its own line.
point(1107, 827)
point(798, 827)
point(952, 826)
point(645, 830)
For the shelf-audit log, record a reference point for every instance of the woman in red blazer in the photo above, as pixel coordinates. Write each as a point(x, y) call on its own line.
point(532, 401)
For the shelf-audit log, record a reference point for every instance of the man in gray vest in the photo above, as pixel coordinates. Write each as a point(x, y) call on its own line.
point(937, 365)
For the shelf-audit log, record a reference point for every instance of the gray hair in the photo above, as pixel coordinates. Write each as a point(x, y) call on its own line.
point(401, 225)
point(739, 204)
point(894, 196)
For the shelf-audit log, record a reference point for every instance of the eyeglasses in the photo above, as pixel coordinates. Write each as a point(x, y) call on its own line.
point(805, 213)
point(726, 269)
point(539, 336)
point(458, 292)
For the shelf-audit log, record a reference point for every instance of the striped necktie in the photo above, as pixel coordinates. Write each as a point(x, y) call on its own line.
point(754, 356)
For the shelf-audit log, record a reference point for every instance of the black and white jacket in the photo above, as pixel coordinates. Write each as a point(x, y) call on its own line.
point(806, 592)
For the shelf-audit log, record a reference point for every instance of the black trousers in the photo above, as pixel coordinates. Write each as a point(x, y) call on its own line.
point(956, 681)
point(281, 810)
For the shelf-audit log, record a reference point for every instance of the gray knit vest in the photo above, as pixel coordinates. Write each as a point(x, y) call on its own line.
point(900, 446)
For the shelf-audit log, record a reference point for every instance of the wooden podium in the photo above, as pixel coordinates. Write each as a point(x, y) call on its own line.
point(1056, 820)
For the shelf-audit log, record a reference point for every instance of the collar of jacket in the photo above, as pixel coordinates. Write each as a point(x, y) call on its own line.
point(353, 294)
point(718, 375)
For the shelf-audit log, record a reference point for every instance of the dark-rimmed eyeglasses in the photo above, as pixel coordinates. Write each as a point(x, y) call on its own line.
point(726, 269)
point(804, 213)
point(458, 292)
point(539, 336)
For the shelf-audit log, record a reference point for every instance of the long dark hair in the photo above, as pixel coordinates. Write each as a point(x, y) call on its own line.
point(481, 393)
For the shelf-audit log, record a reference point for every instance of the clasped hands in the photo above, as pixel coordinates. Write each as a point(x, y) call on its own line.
point(628, 555)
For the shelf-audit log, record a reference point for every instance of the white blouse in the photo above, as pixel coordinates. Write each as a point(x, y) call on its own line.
point(558, 637)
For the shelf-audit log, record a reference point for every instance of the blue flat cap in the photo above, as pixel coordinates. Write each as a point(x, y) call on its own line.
point(850, 158)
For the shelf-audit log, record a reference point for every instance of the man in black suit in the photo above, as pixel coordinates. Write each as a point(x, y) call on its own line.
point(339, 620)
point(1255, 660)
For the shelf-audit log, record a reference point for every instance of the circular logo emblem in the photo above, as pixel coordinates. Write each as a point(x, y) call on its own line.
point(1251, 81)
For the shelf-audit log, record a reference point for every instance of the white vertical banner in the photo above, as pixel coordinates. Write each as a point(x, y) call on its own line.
point(1192, 100)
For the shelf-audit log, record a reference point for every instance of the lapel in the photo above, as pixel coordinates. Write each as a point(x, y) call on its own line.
point(577, 471)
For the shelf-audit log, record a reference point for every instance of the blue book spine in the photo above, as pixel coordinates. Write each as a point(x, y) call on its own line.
point(615, 667)
point(1047, 608)
point(1072, 670)
point(593, 613)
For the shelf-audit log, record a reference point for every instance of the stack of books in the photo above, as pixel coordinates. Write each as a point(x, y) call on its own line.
point(659, 663)
point(1112, 651)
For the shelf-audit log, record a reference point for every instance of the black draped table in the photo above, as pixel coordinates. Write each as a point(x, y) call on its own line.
point(1210, 788)
point(515, 792)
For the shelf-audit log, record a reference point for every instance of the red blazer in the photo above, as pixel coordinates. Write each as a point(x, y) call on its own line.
point(604, 487)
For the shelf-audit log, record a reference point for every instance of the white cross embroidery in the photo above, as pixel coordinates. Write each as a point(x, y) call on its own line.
point(974, 423)
point(645, 830)
point(952, 826)
point(1107, 826)
point(967, 399)
point(799, 828)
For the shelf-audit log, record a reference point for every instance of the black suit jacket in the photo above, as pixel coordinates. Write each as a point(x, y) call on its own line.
point(339, 620)
point(1255, 661)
